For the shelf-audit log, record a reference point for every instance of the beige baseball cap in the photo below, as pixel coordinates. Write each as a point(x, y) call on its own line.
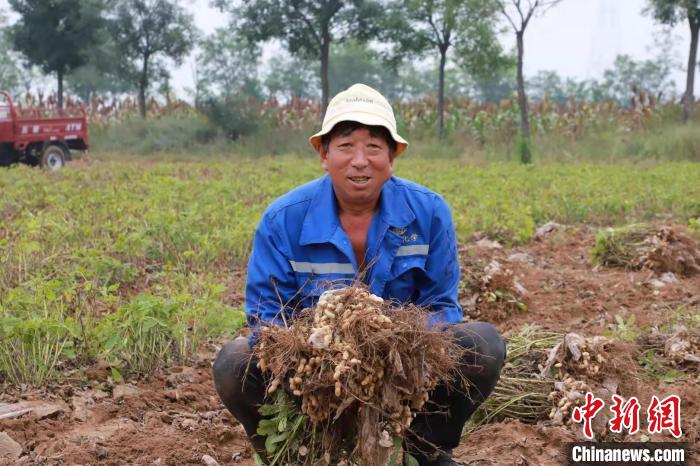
point(363, 104)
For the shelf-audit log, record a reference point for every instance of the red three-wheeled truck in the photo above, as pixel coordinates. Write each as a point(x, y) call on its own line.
point(32, 137)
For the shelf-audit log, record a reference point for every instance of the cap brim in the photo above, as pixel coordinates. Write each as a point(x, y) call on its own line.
point(364, 118)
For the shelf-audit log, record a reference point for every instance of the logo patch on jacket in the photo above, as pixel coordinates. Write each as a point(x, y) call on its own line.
point(406, 236)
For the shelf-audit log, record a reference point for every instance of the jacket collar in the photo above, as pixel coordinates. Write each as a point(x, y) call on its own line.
point(322, 220)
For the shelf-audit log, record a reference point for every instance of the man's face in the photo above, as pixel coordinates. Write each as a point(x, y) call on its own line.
point(359, 164)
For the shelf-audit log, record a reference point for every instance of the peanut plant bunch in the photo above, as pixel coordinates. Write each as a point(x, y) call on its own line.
point(360, 366)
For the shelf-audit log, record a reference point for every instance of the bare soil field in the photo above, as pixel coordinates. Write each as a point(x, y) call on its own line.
point(176, 417)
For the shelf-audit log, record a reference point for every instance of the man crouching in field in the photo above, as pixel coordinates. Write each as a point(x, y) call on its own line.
point(359, 220)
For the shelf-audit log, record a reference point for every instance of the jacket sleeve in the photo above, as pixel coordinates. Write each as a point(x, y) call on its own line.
point(270, 279)
point(440, 290)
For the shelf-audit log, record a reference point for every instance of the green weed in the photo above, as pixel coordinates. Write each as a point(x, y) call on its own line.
point(150, 331)
point(656, 370)
point(31, 350)
point(624, 330)
point(137, 338)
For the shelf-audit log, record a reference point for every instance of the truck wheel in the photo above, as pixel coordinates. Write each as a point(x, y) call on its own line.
point(53, 158)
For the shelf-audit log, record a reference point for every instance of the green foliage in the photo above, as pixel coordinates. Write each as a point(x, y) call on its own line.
point(33, 348)
point(138, 336)
point(152, 331)
point(654, 368)
point(302, 25)
point(227, 66)
point(10, 66)
point(174, 134)
point(420, 27)
point(146, 33)
point(670, 12)
point(354, 62)
point(100, 75)
point(78, 247)
point(571, 132)
point(624, 329)
point(286, 430)
point(507, 299)
point(624, 82)
point(308, 28)
point(234, 115)
point(620, 247)
point(694, 226)
point(626, 75)
point(72, 259)
point(548, 84)
point(291, 439)
point(293, 78)
point(57, 35)
point(432, 27)
point(525, 150)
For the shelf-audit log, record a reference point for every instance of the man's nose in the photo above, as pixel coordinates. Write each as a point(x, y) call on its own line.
point(359, 158)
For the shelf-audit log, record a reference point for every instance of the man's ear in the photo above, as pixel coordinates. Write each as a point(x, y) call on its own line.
point(323, 155)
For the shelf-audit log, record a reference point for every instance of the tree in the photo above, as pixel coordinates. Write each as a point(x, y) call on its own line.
point(57, 35)
point(147, 32)
point(10, 67)
point(497, 85)
point(229, 64)
point(354, 62)
point(414, 82)
point(519, 13)
point(671, 12)
point(548, 84)
point(436, 25)
point(651, 76)
point(100, 75)
point(308, 27)
point(290, 77)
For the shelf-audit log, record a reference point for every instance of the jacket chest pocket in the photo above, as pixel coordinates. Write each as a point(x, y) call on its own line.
point(406, 276)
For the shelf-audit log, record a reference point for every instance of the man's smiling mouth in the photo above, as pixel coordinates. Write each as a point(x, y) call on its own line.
point(359, 179)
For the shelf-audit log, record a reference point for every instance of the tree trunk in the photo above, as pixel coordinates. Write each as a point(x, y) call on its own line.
point(525, 156)
point(60, 89)
point(441, 93)
point(689, 97)
point(143, 85)
point(325, 52)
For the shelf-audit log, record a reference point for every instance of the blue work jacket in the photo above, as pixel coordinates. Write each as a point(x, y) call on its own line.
point(300, 250)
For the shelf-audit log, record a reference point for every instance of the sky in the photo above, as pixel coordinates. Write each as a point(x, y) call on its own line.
point(576, 38)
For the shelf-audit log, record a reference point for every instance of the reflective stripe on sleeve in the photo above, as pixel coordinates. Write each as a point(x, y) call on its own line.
point(413, 250)
point(323, 268)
